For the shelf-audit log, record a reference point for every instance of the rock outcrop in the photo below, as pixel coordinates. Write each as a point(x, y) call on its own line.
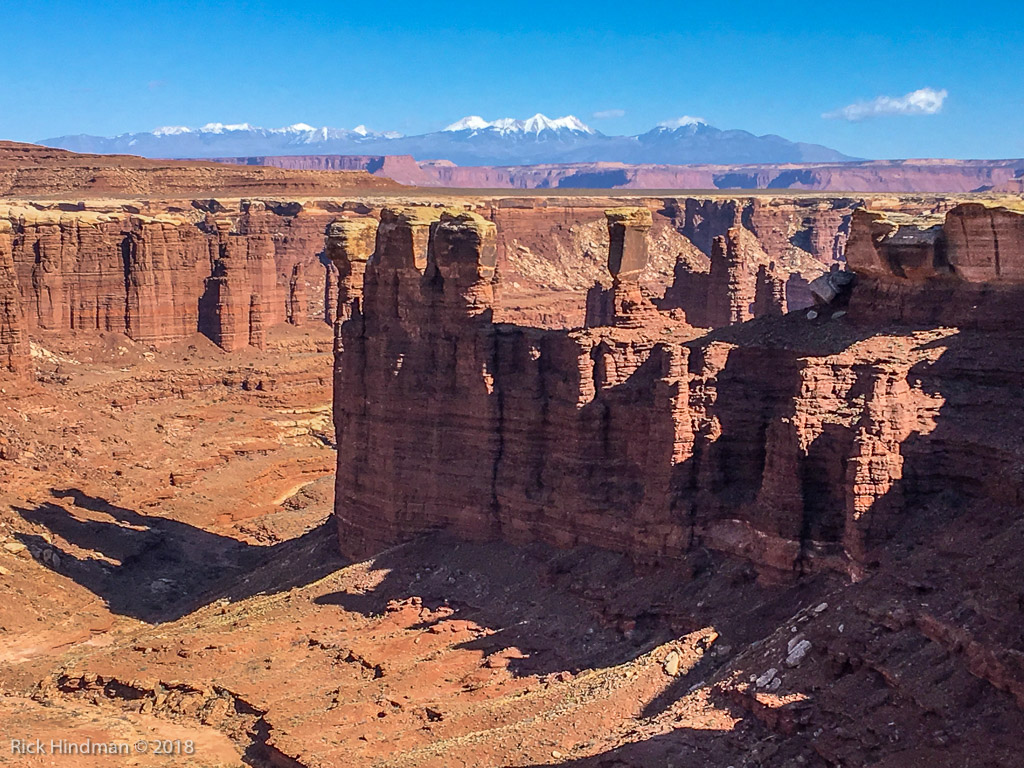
point(350, 243)
point(14, 352)
point(29, 169)
point(400, 168)
point(795, 445)
point(965, 269)
point(159, 278)
point(741, 283)
point(902, 176)
point(624, 304)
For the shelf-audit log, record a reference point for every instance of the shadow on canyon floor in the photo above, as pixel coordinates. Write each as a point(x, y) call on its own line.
point(157, 569)
point(546, 611)
point(514, 594)
point(940, 543)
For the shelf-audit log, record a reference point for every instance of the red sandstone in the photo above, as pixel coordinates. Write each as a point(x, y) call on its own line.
point(746, 474)
point(784, 444)
point(925, 175)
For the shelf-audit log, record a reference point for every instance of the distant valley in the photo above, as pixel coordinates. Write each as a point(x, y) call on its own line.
point(560, 153)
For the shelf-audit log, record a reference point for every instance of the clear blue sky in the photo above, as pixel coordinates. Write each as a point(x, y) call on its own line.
point(769, 67)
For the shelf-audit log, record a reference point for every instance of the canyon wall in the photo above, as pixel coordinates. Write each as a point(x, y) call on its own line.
point(14, 352)
point(905, 176)
point(895, 176)
point(559, 244)
point(964, 270)
point(798, 443)
point(160, 271)
point(160, 278)
point(400, 168)
point(30, 169)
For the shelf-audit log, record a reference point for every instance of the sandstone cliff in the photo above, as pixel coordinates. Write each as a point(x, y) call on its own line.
point(795, 445)
point(400, 168)
point(966, 269)
point(29, 169)
point(927, 175)
point(159, 271)
point(14, 353)
point(160, 278)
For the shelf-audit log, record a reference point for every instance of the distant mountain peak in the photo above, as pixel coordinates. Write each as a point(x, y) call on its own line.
point(172, 130)
point(469, 141)
point(470, 123)
point(303, 131)
point(682, 122)
point(535, 124)
point(222, 128)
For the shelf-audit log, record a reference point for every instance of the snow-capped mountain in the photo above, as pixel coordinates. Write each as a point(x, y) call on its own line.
point(219, 140)
point(533, 125)
point(469, 141)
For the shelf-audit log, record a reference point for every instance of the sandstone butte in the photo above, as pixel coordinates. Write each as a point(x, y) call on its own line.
point(797, 444)
point(619, 480)
point(784, 442)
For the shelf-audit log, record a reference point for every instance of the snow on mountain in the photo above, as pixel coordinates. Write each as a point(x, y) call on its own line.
point(469, 141)
point(220, 128)
point(534, 125)
point(471, 123)
point(172, 130)
point(680, 122)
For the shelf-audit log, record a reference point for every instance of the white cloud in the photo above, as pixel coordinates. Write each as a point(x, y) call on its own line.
point(679, 122)
point(607, 114)
point(925, 101)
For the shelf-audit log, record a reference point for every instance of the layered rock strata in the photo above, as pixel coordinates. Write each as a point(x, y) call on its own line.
point(927, 175)
point(14, 351)
point(791, 444)
point(156, 271)
point(965, 269)
point(30, 169)
point(161, 278)
point(625, 303)
point(350, 242)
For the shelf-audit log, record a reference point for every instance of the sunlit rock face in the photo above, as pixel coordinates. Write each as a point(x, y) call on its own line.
point(797, 442)
point(161, 277)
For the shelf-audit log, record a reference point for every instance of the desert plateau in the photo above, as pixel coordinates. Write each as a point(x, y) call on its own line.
point(507, 443)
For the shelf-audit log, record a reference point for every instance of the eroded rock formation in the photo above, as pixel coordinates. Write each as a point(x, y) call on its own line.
point(966, 269)
point(151, 270)
point(795, 445)
point(350, 242)
point(30, 169)
point(160, 278)
point(949, 176)
point(14, 353)
point(625, 304)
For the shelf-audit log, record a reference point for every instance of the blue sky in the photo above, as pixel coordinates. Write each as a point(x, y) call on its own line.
point(768, 67)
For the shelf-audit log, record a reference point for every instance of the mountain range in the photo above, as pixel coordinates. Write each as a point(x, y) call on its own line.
point(470, 141)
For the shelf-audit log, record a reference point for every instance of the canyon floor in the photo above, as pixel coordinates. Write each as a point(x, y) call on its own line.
point(174, 575)
point(170, 570)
